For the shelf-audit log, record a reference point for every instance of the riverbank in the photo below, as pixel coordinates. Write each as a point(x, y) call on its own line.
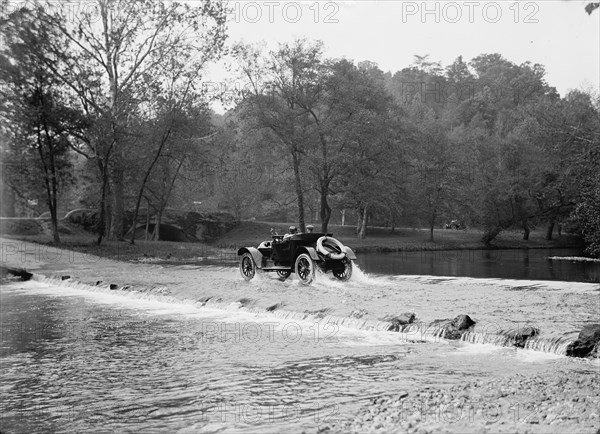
point(224, 249)
point(402, 239)
point(365, 303)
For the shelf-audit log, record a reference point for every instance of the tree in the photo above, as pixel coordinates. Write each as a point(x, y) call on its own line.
point(371, 183)
point(350, 96)
point(174, 134)
point(582, 133)
point(280, 98)
point(502, 177)
point(34, 115)
point(433, 163)
point(136, 49)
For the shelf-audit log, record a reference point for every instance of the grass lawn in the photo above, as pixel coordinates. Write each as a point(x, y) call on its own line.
point(251, 233)
point(402, 239)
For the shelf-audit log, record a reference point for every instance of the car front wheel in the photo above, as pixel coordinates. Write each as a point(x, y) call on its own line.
point(247, 266)
point(305, 269)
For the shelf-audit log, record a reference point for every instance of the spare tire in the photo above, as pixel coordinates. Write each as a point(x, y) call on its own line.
point(331, 248)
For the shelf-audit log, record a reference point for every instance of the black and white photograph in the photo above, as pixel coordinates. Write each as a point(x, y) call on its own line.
point(299, 216)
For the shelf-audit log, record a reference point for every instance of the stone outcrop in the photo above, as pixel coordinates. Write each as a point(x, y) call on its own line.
point(463, 322)
point(520, 336)
point(176, 225)
point(453, 328)
point(587, 342)
point(399, 321)
point(8, 272)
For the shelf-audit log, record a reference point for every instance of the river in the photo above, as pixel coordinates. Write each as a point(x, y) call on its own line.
point(532, 264)
point(79, 361)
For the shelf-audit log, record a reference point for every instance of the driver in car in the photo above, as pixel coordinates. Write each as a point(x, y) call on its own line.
point(292, 231)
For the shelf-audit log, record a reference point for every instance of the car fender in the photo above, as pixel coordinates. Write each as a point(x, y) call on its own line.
point(309, 250)
point(256, 255)
point(349, 253)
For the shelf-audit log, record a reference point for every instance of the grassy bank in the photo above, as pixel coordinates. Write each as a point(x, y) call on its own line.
point(402, 239)
point(224, 249)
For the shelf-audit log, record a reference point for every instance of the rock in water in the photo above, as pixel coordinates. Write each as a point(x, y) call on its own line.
point(399, 320)
point(453, 328)
point(444, 328)
point(587, 342)
point(16, 272)
point(520, 336)
point(463, 322)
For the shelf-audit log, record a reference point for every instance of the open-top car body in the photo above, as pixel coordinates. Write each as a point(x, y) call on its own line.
point(298, 253)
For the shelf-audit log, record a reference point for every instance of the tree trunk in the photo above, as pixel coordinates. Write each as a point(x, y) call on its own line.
point(325, 209)
point(118, 203)
point(145, 180)
point(104, 207)
point(50, 176)
point(363, 227)
point(490, 234)
point(431, 227)
point(550, 230)
point(51, 192)
point(299, 192)
point(101, 224)
point(147, 220)
point(54, 198)
point(525, 230)
point(156, 234)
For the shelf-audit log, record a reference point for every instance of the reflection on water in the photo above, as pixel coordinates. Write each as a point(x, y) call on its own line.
point(75, 364)
point(507, 264)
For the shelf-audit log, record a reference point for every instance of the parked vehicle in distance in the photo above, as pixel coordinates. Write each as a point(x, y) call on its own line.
point(455, 224)
point(300, 253)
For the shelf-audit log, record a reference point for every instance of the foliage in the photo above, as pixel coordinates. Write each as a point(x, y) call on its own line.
point(38, 123)
point(118, 104)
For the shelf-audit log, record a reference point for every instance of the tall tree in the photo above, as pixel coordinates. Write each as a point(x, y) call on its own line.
point(33, 112)
point(113, 55)
point(283, 86)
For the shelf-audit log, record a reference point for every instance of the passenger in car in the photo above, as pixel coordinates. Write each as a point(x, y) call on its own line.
point(292, 231)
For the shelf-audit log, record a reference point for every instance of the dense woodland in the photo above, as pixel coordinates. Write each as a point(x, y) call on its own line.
point(109, 110)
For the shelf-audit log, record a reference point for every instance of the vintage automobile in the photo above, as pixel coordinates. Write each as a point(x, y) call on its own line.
point(455, 224)
point(300, 253)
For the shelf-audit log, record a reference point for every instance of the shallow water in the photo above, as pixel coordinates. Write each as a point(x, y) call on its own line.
point(76, 360)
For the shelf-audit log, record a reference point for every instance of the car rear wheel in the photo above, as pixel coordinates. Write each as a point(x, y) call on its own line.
point(345, 273)
point(305, 269)
point(247, 266)
point(284, 274)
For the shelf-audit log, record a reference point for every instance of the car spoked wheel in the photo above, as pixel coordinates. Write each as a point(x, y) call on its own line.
point(345, 273)
point(247, 266)
point(305, 269)
point(284, 274)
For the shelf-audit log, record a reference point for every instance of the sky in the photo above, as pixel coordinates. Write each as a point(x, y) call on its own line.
point(557, 34)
